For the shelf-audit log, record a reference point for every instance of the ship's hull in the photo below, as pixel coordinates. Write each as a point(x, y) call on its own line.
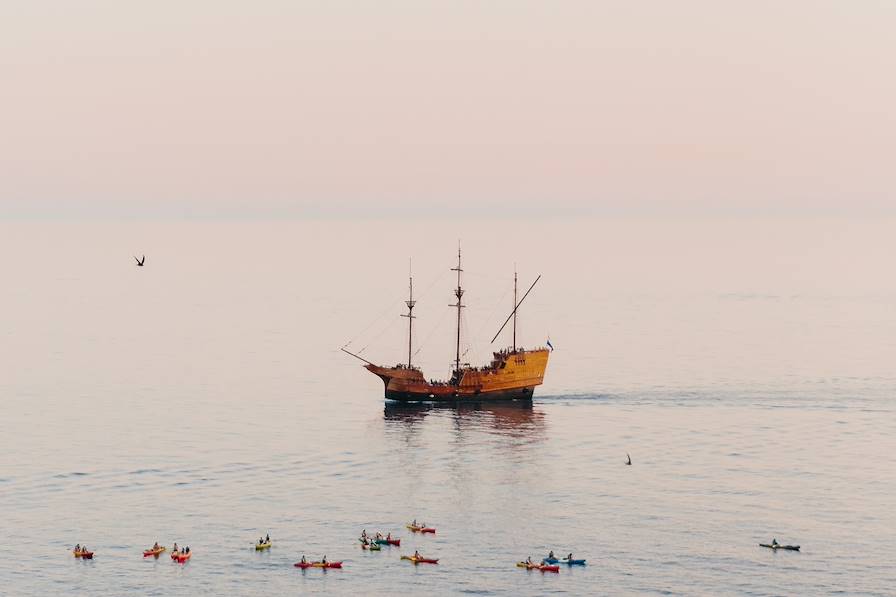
point(512, 376)
point(453, 397)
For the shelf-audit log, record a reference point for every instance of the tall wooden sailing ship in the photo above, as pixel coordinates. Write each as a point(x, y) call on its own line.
point(512, 374)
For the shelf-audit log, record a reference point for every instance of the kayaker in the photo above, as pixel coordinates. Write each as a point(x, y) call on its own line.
point(413, 524)
point(569, 557)
point(78, 548)
point(324, 560)
point(775, 542)
point(388, 536)
point(267, 538)
point(303, 559)
point(379, 535)
point(529, 560)
point(416, 555)
point(364, 534)
point(551, 555)
point(174, 549)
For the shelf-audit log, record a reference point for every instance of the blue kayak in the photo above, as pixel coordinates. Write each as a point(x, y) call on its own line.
point(563, 561)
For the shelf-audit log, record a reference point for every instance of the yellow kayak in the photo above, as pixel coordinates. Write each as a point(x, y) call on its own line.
point(153, 552)
point(260, 546)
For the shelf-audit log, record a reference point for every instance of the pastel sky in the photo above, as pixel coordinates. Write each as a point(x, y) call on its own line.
point(283, 108)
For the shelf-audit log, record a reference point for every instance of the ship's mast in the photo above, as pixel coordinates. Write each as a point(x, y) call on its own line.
point(514, 308)
point(459, 292)
point(410, 303)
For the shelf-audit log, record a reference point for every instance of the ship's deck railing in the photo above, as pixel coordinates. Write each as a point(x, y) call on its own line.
point(403, 366)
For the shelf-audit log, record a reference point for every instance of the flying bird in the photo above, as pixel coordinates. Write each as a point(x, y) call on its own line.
point(140, 261)
point(629, 461)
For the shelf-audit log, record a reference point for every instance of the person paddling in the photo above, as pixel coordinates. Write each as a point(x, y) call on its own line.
point(267, 538)
point(324, 560)
point(303, 559)
point(551, 555)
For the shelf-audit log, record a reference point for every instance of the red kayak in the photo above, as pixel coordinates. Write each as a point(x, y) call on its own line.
point(395, 542)
point(546, 568)
point(86, 555)
point(184, 557)
point(305, 565)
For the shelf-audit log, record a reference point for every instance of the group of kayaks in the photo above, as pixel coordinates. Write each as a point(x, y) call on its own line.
point(547, 564)
point(378, 540)
point(550, 563)
point(179, 555)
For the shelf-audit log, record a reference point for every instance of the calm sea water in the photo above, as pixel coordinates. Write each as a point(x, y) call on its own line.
point(747, 366)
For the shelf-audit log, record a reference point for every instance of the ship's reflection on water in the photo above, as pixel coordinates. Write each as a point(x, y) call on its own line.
point(458, 447)
point(514, 419)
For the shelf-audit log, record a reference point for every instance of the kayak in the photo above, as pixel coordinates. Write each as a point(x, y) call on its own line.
point(87, 555)
point(153, 552)
point(787, 547)
point(260, 546)
point(420, 560)
point(184, 557)
point(419, 529)
point(372, 546)
point(395, 542)
point(304, 565)
point(175, 555)
point(571, 562)
point(563, 561)
point(542, 567)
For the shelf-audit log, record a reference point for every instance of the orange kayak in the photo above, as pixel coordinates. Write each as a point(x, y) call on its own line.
point(304, 565)
point(184, 557)
point(153, 552)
